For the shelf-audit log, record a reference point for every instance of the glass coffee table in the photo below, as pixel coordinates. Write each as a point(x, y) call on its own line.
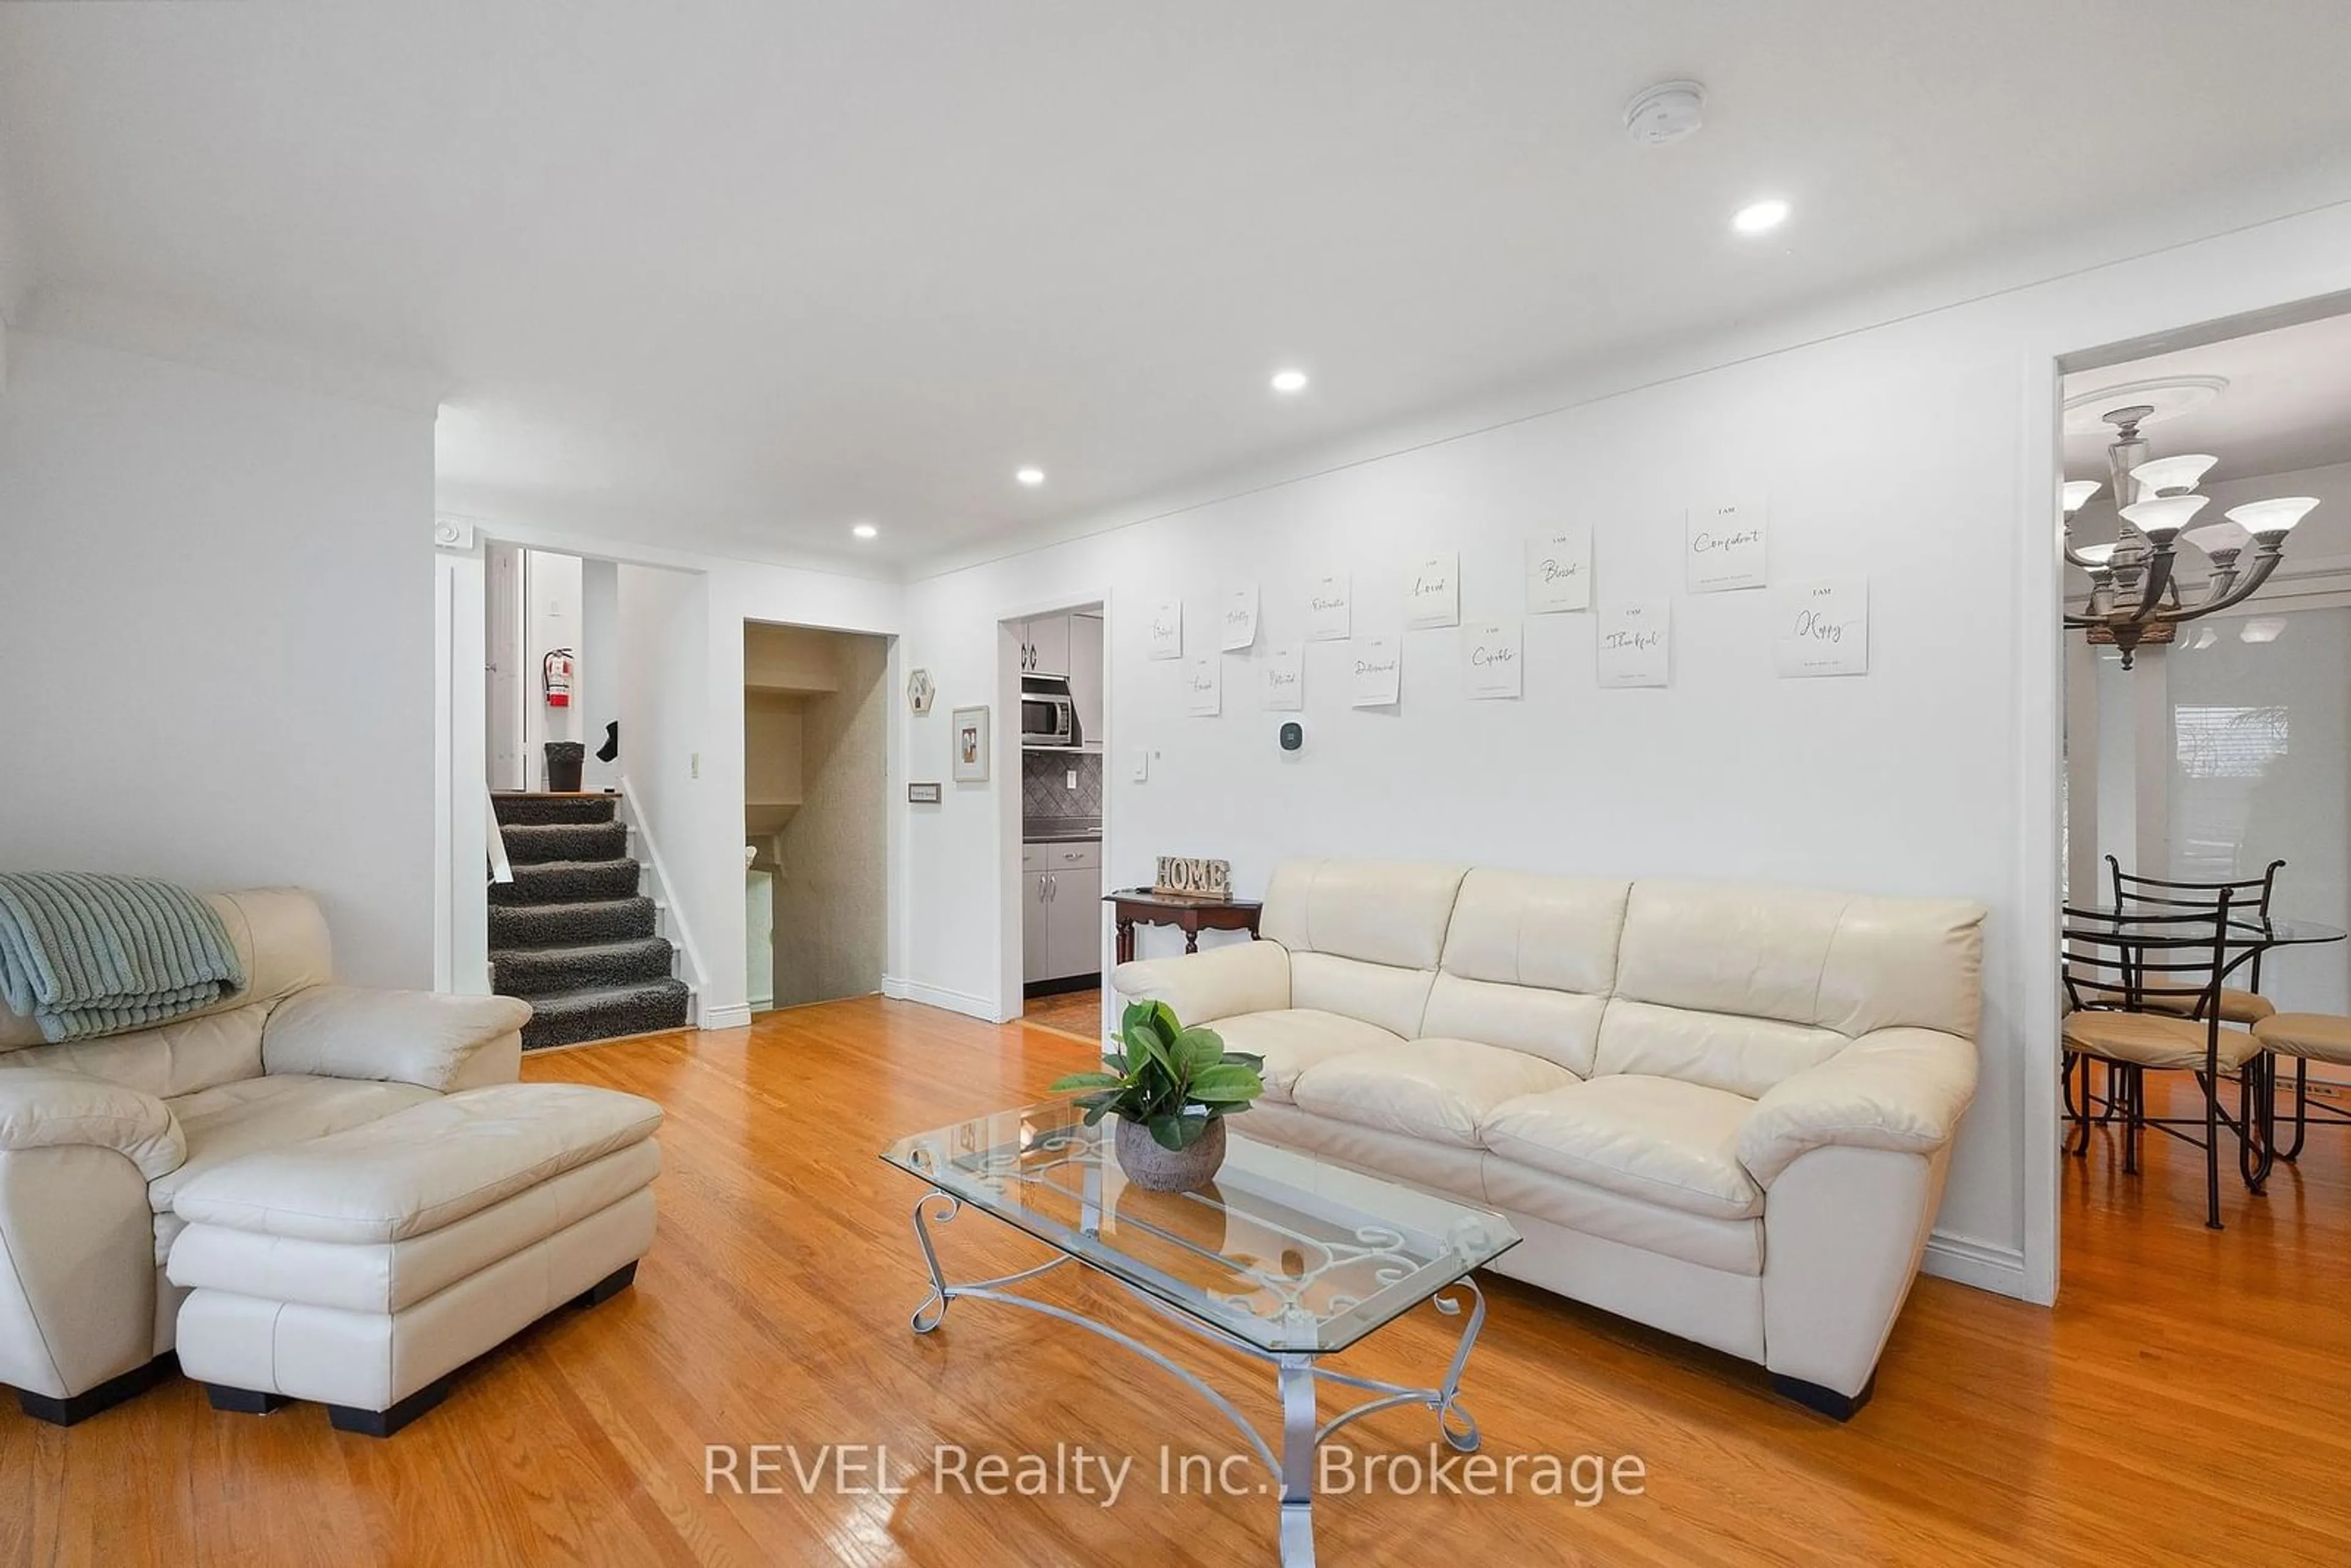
point(1284, 1257)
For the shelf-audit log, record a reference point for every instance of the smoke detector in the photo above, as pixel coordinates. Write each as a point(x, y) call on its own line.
point(1665, 113)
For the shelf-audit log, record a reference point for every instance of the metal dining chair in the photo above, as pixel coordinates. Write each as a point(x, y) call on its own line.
point(2143, 988)
point(2249, 896)
point(2306, 1037)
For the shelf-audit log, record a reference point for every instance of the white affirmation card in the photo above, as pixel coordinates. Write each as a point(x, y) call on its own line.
point(1327, 608)
point(1240, 617)
point(1282, 678)
point(1725, 546)
point(1432, 592)
point(1491, 656)
point(1634, 645)
point(1203, 682)
point(1167, 628)
point(1559, 571)
point(1823, 628)
point(1378, 670)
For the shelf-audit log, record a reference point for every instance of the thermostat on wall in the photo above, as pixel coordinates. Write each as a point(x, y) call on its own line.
point(1293, 735)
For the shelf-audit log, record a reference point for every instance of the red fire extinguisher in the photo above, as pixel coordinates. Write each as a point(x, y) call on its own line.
point(555, 677)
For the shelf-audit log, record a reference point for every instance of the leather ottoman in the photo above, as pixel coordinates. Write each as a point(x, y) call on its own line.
point(360, 1270)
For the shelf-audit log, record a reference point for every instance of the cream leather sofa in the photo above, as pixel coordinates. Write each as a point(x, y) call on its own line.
point(99, 1136)
point(1722, 1109)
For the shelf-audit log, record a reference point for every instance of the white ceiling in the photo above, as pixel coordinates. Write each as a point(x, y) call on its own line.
point(2287, 405)
point(736, 276)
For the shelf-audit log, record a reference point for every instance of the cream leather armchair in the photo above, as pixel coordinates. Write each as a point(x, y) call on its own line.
point(1724, 1111)
point(97, 1136)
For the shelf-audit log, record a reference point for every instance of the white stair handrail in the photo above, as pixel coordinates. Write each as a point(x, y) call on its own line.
point(501, 869)
point(697, 977)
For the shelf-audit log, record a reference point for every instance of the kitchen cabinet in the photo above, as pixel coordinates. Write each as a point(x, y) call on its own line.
point(1036, 943)
point(1045, 646)
point(1060, 911)
point(1073, 923)
point(1086, 676)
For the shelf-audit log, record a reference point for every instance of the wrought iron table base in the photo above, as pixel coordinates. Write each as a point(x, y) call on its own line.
point(1295, 1373)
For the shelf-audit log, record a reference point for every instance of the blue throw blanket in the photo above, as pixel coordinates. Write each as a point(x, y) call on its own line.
point(85, 955)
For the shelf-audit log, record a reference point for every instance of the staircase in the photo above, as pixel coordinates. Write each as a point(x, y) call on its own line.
point(571, 935)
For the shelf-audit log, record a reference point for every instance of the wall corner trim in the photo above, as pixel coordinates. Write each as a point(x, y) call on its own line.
point(1985, 1265)
point(898, 988)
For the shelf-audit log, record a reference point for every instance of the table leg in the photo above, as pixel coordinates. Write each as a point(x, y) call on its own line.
point(1125, 935)
point(1299, 1446)
point(1191, 937)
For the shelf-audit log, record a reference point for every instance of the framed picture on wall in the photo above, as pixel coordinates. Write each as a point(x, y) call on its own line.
point(971, 746)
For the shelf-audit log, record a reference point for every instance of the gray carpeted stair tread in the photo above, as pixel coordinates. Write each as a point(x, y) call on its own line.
point(568, 882)
point(516, 810)
point(531, 972)
point(570, 924)
point(534, 844)
point(569, 1018)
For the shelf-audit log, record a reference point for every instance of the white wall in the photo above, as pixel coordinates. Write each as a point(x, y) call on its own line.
point(216, 638)
point(550, 620)
point(1922, 452)
point(667, 719)
point(597, 692)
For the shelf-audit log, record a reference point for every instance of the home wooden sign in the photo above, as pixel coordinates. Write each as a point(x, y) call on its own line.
point(1182, 876)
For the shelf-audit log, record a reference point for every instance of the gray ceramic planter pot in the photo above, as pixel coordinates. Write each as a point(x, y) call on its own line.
point(1155, 1169)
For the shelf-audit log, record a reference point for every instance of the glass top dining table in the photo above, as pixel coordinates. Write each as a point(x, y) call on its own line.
point(2104, 923)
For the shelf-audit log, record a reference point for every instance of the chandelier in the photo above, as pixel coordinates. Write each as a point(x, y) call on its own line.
point(2135, 594)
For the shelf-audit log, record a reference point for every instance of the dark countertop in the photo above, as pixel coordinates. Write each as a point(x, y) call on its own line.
point(1061, 830)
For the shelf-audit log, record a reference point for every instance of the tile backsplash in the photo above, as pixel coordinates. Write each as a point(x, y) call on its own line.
point(1045, 791)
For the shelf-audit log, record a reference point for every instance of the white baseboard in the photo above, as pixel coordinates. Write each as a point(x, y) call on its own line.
point(1982, 1264)
point(898, 988)
point(736, 1016)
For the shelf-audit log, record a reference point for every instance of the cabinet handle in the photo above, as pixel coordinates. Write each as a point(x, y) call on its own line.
point(1041, 887)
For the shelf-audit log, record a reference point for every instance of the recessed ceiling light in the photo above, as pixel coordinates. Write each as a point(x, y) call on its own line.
point(1289, 380)
point(1030, 475)
point(865, 530)
point(1760, 217)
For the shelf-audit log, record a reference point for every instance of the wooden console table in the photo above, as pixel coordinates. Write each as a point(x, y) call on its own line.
point(1133, 906)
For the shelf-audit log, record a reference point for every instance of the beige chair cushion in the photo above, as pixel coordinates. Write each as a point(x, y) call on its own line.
point(1441, 1090)
point(403, 1037)
point(2322, 1036)
point(1658, 1139)
point(228, 1123)
point(280, 938)
point(1296, 1039)
point(427, 1167)
point(1733, 1246)
point(1392, 912)
point(2236, 1006)
point(50, 1108)
point(1215, 983)
point(1804, 956)
point(2152, 1040)
point(1381, 994)
point(1730, 1052)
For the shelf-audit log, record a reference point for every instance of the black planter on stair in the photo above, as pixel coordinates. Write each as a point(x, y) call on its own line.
point(571, 935)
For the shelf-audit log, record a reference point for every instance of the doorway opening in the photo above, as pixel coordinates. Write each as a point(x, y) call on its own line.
point(579, 922)
point(1057, 658)
point(2207, 749)
point(815, 775)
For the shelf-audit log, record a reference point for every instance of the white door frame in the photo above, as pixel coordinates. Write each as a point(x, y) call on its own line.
point(1012, 999)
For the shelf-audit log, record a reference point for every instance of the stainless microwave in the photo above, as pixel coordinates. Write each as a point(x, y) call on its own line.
point(1049, 716)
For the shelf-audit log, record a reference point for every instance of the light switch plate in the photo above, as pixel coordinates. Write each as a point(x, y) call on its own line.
point(1142, 764)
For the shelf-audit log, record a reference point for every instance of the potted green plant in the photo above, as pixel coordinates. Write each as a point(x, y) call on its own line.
point(1171, 1089)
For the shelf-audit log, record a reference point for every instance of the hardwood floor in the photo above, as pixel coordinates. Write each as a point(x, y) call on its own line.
point(1074, 1013)
point(2185, 1404)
